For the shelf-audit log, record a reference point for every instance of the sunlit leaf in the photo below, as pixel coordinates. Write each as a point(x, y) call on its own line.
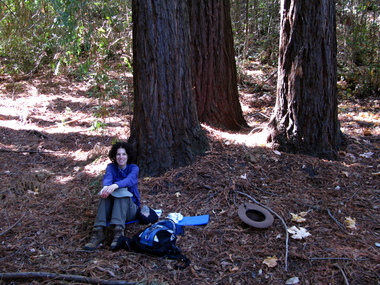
point(350, 223)
point(298, 233)
point(271, 261)
point(299, 218)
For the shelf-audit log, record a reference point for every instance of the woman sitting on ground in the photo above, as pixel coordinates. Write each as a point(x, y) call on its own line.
point(119, 199)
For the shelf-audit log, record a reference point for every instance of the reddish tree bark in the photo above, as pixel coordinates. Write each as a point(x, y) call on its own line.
point(165, 128)
point(305, 118)
point(214, 66)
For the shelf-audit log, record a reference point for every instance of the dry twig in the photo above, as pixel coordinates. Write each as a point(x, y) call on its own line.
point(344, 275)
point(336, 221)
point(12, 225)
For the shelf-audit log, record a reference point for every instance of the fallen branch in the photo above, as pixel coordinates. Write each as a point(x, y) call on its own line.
point(282, 221)
point(65, 277)
point(338, 258)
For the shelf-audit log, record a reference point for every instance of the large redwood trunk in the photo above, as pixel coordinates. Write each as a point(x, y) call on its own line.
point(214, 66)
point(165, 129)
point(305, 119)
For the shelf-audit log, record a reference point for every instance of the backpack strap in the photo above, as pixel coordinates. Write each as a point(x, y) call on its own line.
point(182, 260)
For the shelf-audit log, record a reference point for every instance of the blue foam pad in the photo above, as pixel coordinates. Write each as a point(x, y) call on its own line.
point(194, 220)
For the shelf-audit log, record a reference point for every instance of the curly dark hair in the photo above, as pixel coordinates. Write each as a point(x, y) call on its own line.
point(128, 149)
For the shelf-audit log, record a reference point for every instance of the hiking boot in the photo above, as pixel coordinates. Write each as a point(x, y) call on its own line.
point(117, 232)
point(97, 237)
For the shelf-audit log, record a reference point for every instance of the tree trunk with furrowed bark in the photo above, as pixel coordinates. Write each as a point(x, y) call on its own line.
point(305, 118)
point(213, 65)
point(165, 129)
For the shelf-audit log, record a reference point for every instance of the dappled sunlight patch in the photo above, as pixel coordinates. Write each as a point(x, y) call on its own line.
point(56, 105)
point(255, 73)
point(360, 117)
point(250, 139)
point(97, 167)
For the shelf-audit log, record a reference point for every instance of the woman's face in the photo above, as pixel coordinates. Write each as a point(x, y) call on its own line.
point(121, 157)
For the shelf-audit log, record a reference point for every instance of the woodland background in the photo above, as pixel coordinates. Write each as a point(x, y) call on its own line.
point(81, 39)
point(66, 94)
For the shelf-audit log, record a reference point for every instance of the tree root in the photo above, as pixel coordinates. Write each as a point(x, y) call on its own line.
point(65, 277)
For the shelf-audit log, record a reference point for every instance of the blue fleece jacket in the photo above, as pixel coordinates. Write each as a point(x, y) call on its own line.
point(127, 177)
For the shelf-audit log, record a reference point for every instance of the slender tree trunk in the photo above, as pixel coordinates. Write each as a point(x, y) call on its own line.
point(214, 66)
point(165, 129)
point(305, 119)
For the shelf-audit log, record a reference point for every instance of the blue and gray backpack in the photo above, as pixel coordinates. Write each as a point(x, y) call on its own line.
point(158, 239)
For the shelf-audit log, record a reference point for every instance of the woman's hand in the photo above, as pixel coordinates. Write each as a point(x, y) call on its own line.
point(107, 190)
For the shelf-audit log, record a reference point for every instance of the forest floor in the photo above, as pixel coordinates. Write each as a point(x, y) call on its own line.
point(51, 164)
